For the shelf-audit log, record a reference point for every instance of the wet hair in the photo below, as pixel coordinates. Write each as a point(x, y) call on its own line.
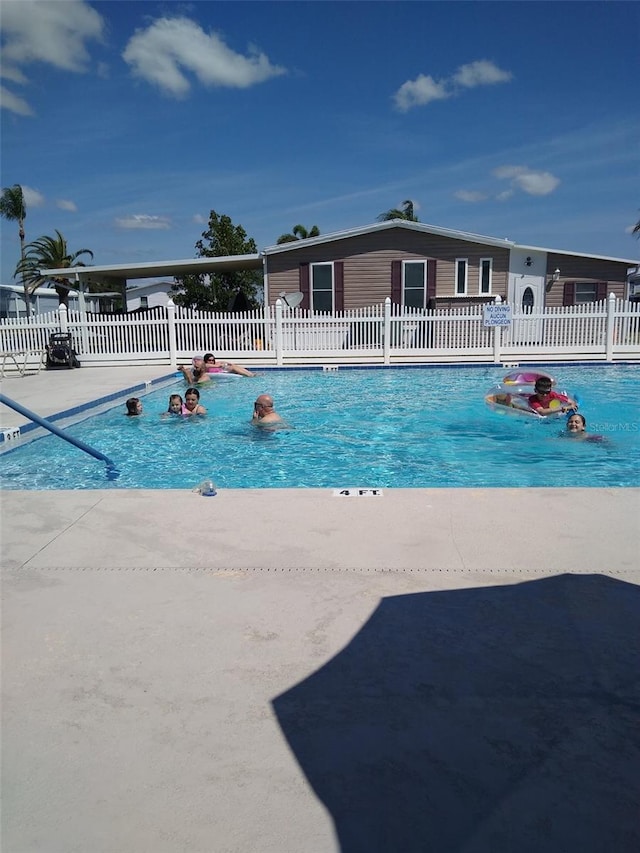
point(132, 405)
point(208, 355)
point(174, 397)
point(543, 384)
point(192, 391)
point(578, 415)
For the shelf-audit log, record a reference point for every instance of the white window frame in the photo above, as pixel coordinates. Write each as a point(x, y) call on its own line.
point(312, 291)
point(488, 292)
point(459, 262)
point(424, 281)
point(592, 286)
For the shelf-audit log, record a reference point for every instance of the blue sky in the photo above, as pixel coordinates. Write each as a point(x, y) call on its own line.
point(127, 122)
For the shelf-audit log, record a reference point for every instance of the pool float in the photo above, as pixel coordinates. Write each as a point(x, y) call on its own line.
point(512, 394)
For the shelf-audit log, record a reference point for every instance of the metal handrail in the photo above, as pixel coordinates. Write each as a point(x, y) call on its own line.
point(112, 471)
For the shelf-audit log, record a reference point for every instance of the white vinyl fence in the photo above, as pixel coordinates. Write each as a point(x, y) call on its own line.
point(382, 334)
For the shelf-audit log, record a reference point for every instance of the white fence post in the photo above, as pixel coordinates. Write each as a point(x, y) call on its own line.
point(610, 325)
point(173, 346)
point(62, 318)
point(497, 336)
point(386, 335)
point(279, 360)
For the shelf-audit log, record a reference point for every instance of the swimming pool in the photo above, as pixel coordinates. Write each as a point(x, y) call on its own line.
point(389, 428)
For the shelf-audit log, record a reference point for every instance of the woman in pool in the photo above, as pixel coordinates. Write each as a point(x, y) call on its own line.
point(577, 428)
point(203, 368)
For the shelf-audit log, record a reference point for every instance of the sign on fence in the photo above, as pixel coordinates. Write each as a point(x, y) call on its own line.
point(496, 315)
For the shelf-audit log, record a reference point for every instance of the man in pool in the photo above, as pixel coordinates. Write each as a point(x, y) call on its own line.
point(264, 413)
point(547, 402)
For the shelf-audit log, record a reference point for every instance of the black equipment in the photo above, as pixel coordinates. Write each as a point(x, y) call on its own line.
point(60, 352)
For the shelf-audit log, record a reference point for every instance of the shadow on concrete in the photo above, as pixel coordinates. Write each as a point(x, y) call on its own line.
point(493, 720)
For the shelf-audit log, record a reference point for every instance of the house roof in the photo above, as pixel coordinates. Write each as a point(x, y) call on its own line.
point(155, 269)
point(425, 228)
point(374, 227)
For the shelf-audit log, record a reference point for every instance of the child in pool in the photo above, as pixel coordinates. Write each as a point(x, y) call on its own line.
point(134, 407)
point(547, 402)
point(176, 406)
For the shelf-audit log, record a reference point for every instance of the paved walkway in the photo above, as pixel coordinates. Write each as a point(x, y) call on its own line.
point(146, 635)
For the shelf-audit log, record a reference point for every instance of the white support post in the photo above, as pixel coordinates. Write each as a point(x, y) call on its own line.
point(497, 336)
point(386, 335)
point(173, 346)
point(279, 360)
point(62, 318)
point(610, 325)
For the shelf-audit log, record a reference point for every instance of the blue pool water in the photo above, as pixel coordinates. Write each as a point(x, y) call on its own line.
point(396, 428)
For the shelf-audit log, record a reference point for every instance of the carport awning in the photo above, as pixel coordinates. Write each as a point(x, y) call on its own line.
point(158, 269)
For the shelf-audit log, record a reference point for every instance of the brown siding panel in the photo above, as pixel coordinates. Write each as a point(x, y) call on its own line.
point(303, 284)
point(396, 282)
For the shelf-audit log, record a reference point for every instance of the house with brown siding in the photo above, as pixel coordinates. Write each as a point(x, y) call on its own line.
point(423, 266)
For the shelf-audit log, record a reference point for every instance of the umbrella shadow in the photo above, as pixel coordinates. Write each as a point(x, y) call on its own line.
point(492, 720)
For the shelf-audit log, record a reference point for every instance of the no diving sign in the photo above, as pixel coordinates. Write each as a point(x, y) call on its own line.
point(357, 493)
point(497, 315)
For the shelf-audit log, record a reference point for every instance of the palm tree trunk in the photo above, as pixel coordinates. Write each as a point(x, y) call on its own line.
point(25, 287)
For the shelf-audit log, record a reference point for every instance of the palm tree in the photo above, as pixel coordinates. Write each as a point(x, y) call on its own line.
point(405, 211)
point(14, 209)
point(49, 253)
point(299, 232)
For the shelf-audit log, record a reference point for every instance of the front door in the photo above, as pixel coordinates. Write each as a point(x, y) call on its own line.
point(528, 299)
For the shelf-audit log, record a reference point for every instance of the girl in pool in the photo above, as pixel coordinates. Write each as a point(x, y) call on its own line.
point(176, 406)
point(192, 403)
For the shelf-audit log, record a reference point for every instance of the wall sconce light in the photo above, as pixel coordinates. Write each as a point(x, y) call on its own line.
point(528, 262)
point(555, 276)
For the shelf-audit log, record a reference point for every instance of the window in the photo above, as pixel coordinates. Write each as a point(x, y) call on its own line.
point(486, 275)
point(414, 283)
point(322, 287)
point(462, 265)
point(585, 292)
point(144, 301)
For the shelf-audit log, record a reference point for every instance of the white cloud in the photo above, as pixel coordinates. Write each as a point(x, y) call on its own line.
point(64, 204)
point(32, 198)
point(44, 31)
point(199, 219)
point(160, 53)
point(527, 180)
point(480, 73)
point(470, 195)
point(424, 88)
point(419, 92)
point(11, 102)
point(144, 222)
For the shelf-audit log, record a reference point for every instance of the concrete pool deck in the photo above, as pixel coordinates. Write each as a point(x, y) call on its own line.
point(146, 634)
